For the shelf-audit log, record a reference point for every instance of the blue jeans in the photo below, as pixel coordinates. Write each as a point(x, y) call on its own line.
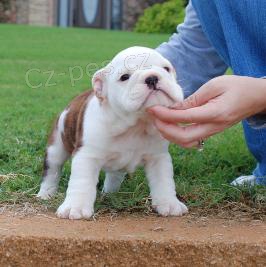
point(255, 133)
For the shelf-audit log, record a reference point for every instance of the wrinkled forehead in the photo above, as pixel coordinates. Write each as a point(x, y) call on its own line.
point(138, 58)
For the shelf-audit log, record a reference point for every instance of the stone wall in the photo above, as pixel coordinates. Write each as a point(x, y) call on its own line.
point(34, 12)
point(132, 9)
point(41, 12)
point(22, 11)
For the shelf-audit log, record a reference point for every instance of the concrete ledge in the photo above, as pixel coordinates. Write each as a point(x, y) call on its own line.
point(129, 241)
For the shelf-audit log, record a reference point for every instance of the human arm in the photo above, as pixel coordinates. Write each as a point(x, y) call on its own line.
point(193, 57)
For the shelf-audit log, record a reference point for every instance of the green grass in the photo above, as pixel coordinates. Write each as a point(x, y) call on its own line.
point(26, 114)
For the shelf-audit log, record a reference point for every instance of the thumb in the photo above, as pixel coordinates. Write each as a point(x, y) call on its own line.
point(205, 93)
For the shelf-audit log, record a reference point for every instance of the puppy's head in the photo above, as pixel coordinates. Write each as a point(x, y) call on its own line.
point(137, 78)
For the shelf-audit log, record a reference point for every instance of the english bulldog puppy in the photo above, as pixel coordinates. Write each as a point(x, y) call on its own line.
point(109, 129)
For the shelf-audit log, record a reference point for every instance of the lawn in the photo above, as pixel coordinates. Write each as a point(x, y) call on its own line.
point(26, 113)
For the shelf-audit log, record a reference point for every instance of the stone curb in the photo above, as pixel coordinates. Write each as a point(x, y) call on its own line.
point(38, 241)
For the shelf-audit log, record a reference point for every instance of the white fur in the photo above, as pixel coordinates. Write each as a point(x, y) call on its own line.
point(119, 136)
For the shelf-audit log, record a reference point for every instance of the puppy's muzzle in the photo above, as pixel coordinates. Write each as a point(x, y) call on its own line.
point(152, 81)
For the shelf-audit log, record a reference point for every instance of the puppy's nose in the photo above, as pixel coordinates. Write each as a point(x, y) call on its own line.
point(151, 81)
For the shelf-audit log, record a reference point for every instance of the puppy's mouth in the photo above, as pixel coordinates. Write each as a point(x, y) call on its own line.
point(155, 90)
point(165, 93)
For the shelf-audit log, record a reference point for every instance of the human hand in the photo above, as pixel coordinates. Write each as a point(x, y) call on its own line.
point(217, 105)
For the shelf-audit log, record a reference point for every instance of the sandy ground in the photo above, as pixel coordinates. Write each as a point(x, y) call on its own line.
point(38, 240)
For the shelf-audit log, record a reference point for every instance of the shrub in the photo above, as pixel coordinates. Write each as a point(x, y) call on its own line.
point(161, 18)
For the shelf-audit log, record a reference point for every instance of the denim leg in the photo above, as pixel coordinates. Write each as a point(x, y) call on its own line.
point(256, 142)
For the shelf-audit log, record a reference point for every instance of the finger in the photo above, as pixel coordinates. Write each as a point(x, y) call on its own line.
point(205, 93)
point(186, 135)
point(202, 114)
point(190, 145)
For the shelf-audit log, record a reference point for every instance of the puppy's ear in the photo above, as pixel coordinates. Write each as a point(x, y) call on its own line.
point(98, 84)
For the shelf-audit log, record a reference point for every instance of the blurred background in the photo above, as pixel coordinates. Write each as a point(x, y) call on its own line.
point(105, 14)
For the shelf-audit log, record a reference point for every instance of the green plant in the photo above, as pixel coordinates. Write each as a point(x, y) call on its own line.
point(161, 18)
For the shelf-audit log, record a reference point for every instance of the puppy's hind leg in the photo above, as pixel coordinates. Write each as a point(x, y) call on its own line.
point(113, 181)
point(55, 157)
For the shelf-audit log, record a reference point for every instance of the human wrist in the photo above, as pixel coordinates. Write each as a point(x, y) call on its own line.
point(258, 120)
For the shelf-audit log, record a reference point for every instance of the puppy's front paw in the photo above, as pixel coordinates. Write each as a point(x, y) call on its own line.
point(170, 207)
point(75, 210)
point(47, 193)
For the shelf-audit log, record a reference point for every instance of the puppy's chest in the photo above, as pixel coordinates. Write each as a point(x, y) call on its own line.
point(126, 161)
point(130, 152)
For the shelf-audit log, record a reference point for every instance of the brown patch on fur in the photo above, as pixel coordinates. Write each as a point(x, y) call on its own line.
point(53, 131)
point(73, 124)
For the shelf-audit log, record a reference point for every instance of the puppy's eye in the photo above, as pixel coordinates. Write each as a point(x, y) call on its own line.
point(167, 69)
point(124, 77)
